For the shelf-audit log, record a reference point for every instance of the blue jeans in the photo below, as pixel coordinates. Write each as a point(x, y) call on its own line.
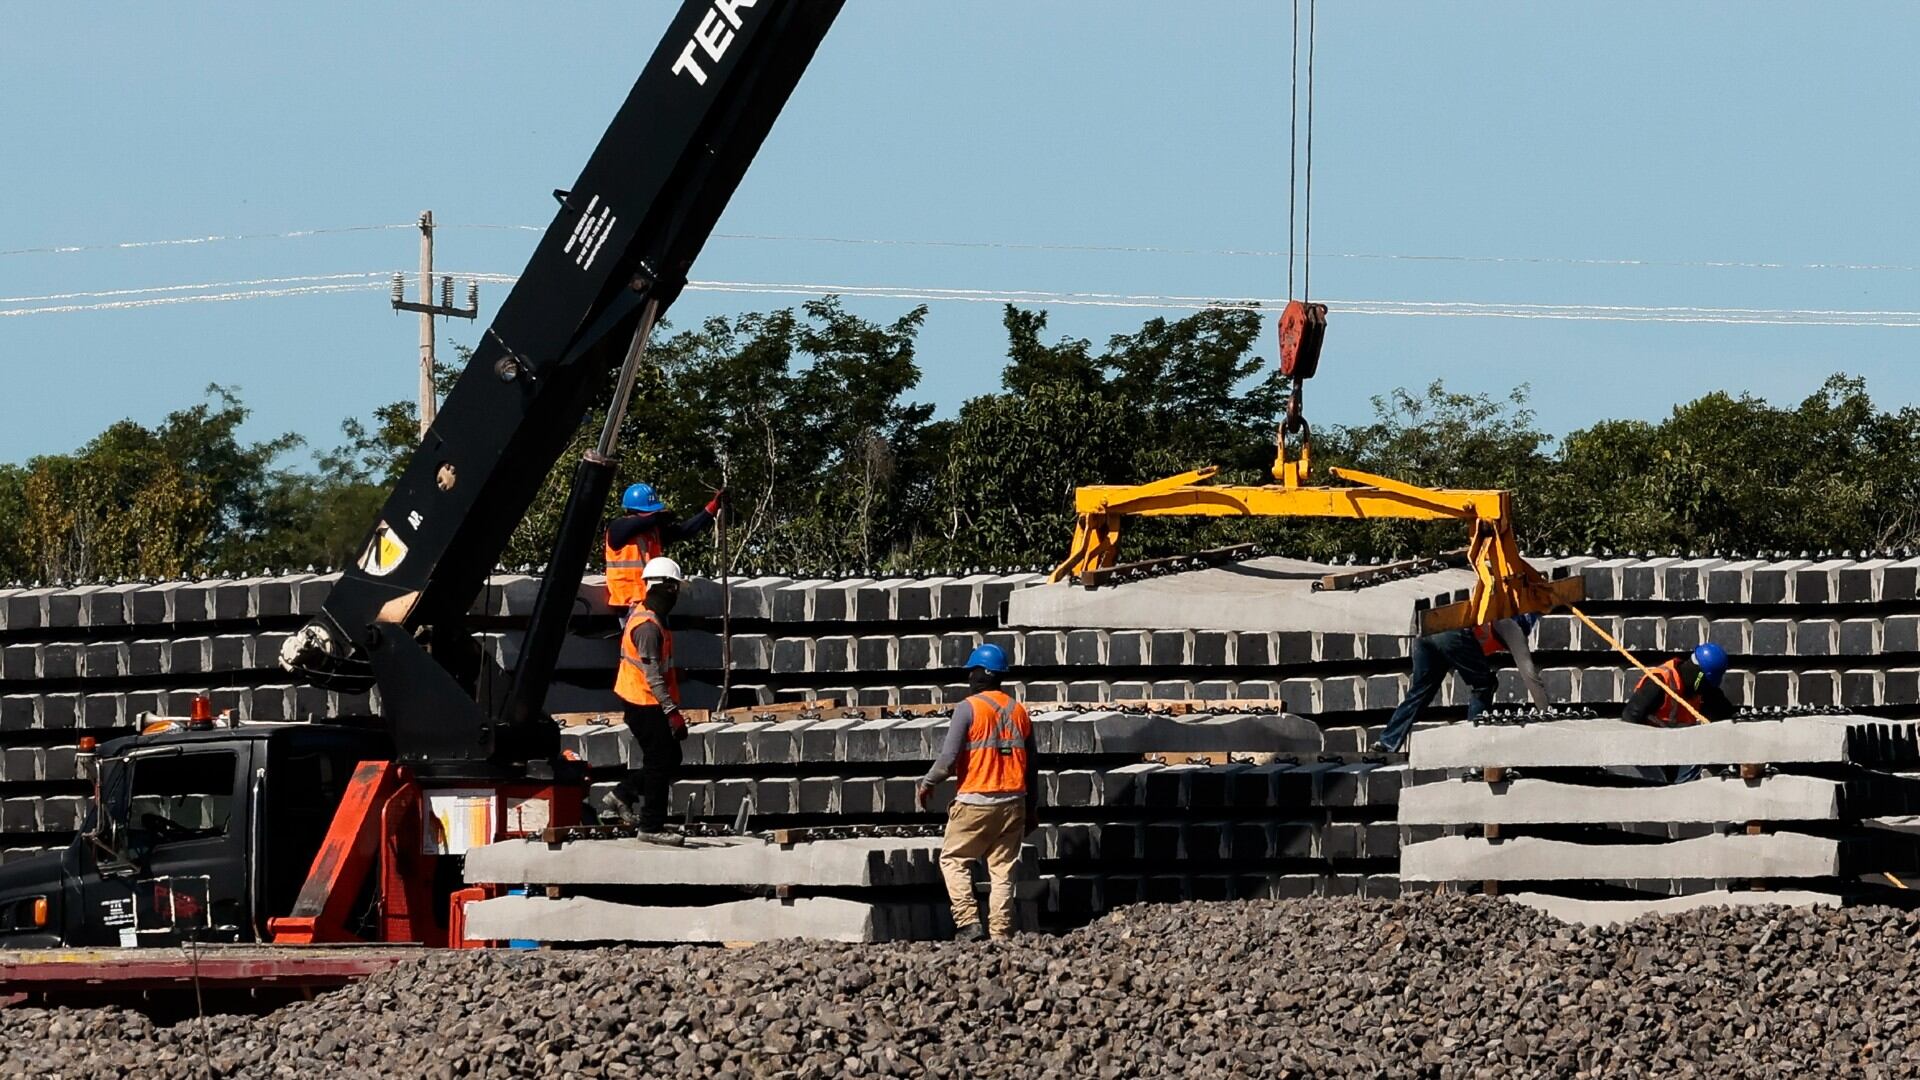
point(1434, 657)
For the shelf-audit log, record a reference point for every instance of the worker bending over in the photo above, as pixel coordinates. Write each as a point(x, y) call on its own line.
point(642, 534)
point(1468, 651)
point(1695, 677)
point(650, 686)
point(990, 748)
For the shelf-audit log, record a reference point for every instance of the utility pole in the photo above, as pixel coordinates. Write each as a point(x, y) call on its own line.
point(428, 309)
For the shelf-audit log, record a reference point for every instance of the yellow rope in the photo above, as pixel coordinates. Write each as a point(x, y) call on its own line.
point(1644, 669)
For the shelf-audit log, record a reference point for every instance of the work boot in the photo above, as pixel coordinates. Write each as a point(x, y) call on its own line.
point(973, 931)
point(618, 807)
point(663, 838)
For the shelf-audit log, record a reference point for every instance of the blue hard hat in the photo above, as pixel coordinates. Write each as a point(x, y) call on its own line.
point(1711, 659)
point(640, 499)
point(991, 657)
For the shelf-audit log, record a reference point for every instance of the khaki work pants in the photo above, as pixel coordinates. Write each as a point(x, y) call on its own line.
point(991, 832)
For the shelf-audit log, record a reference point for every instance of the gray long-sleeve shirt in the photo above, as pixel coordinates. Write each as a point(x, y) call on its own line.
point(1515, 640)
point(952, 760)
point(649, 645)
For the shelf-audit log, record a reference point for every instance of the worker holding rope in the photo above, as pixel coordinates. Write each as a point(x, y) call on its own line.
point(1680, 693)
point(1694, 678)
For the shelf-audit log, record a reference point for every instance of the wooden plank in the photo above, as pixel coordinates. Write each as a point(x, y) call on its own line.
point(831, 709)
point(789, 710)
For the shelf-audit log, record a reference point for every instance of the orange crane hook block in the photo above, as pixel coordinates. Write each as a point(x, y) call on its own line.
point(1303, 327)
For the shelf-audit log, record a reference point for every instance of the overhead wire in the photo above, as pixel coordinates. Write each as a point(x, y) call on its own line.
point(227, 291)
point(197, 298)
point(1017, 245)
point(184, 288)
point(130, 245)
point(1257, 253)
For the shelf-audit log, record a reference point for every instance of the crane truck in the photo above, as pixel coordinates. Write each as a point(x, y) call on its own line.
point(310, 833)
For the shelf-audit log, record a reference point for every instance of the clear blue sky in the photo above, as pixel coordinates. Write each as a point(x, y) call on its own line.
point(1675, 134)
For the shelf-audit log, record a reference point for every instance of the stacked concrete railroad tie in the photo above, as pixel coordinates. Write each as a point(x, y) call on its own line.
point(717, 889)
point(1578, 817)
point(1134, 805)
point(1803, 632)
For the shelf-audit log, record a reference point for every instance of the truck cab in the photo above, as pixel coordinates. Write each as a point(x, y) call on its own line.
point(194, 834)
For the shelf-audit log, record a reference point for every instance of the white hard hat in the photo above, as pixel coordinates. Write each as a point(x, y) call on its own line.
point(661, 568)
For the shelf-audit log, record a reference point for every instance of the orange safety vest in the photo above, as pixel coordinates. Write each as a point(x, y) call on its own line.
point(1490, 642)
point(625, 585)
point(631, 682)
point(996, 745)
point(1668, 713)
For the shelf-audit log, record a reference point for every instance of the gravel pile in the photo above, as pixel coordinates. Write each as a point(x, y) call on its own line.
point(1456, 986)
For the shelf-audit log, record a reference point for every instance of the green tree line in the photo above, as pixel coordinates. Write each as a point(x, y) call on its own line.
point(808, 416)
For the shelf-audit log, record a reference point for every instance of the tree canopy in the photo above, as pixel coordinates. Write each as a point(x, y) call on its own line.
point(808, 415)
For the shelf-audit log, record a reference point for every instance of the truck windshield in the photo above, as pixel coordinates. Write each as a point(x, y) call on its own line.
point(182, 796)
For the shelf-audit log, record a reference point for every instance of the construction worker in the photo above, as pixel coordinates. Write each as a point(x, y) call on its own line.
point(1695, 677)
point(1468, 651)
point(649, 685)
point(642, 534)
point(990, 748)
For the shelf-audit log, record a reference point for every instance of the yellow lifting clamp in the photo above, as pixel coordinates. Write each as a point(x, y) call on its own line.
point(1506, 585)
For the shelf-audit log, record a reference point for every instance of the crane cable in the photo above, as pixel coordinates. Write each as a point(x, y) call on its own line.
point(1306, 216)
point(1300, 225)
point(1293, 142)
point(1300, 316)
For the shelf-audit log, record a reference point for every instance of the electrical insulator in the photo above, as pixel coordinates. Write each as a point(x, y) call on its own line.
point(446, 291)
point(473, 295)
point(399, 287)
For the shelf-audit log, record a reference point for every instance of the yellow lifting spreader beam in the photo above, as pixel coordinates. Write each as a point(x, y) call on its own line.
point(1507, 586)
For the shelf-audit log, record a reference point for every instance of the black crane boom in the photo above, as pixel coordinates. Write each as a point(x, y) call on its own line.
point(623, 238)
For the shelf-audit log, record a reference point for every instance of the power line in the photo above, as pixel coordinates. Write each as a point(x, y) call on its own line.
point(201, 298)
point(1015, 245)
point(184, 288)
point(1256, 253)
point(121, 299)
point(130, 245)
point(1403, 308)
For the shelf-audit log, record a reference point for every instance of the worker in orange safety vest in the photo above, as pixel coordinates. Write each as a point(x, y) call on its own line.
point(642, 534)
point(650, 686)
point(1695, 677)
point(990, 748)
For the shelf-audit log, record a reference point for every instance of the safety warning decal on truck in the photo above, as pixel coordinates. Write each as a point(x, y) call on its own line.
point(384, 552)
point(117, 912)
